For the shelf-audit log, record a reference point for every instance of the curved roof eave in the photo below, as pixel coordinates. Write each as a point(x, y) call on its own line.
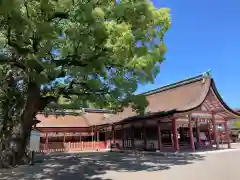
point(202, 97)
point(215, 91)
point(225, 106)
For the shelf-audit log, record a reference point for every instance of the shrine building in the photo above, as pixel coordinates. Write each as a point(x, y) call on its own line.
point(178, 117)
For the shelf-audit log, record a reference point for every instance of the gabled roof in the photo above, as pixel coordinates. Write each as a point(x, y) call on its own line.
point(179, 97)
point(71, 120)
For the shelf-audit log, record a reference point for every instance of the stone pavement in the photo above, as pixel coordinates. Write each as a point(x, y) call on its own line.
point(217, 165)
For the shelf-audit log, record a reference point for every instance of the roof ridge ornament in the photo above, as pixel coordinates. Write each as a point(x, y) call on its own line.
point(206, 75)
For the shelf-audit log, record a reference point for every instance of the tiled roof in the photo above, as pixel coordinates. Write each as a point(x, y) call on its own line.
point(179, 97)
point(82, 120)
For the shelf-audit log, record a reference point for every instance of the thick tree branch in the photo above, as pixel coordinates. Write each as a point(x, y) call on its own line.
point(68, 94)
point(26, 7)
point(44, 101)
point(60, 15)
point(78, 60)
point(84, 91)
point(71, 60)
point(12, 61)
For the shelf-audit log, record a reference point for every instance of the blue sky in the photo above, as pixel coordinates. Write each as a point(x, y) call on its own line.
point(204, 35)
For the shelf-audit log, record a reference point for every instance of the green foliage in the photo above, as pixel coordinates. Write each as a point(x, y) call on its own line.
point(237, 123)
point(94, 52)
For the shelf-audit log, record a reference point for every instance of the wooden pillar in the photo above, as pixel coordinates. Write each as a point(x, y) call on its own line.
point(132, 137)
point(113, 134)
point(123, 136)
point(209, 133)
point(97, 135)
point(190, 131)
point(81, 143)
point(105, 137)
point(175, 135)
point(227, 134)
point(215, 132)
point(144, 135)
point(64, 137)
point(93, 133)
point(197, 131)
point(105, 134)
point(46, 142)
point(159, 137)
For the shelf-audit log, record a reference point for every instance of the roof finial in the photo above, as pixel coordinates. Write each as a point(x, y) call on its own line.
point(206, 75)
point(209, 72)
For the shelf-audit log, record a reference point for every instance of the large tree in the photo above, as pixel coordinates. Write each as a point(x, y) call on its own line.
point(89, 51)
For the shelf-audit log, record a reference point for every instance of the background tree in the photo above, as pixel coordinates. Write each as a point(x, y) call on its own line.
point(94, 52)
point(236, 123)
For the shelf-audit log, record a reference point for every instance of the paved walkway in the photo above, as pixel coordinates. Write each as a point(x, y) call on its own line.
point(217, 165)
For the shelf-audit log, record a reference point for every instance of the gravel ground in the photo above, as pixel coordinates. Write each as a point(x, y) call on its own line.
point(222, 165)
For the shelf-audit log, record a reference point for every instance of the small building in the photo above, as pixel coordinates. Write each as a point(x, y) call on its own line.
point(73, 130)
point(178, 117)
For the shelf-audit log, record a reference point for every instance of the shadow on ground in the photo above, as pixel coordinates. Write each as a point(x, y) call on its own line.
point(94, 165)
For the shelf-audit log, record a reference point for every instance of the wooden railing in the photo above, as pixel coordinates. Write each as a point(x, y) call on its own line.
point(72, 146)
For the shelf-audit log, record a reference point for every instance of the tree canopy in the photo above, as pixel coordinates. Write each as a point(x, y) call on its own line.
point(75, 52)
point(87, 51)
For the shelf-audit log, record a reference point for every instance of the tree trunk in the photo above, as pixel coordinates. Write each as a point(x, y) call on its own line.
point(15, 144)
point(26, 119)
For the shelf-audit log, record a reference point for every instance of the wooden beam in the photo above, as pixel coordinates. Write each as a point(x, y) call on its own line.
point(184, 117)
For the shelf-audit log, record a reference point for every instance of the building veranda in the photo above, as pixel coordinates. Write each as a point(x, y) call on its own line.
point(183, 116)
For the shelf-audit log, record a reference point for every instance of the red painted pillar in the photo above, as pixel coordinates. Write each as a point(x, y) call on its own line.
point(227, 134)
point(175, 135)
point(81, 142)
point(159, 137)
point(190, 131)
point(64, 140)
point(113, 134)
point(215, 132)
point(46, 142)
point(105, 137)
point(209, 133)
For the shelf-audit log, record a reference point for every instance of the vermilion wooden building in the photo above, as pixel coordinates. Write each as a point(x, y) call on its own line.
point(177, 115)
